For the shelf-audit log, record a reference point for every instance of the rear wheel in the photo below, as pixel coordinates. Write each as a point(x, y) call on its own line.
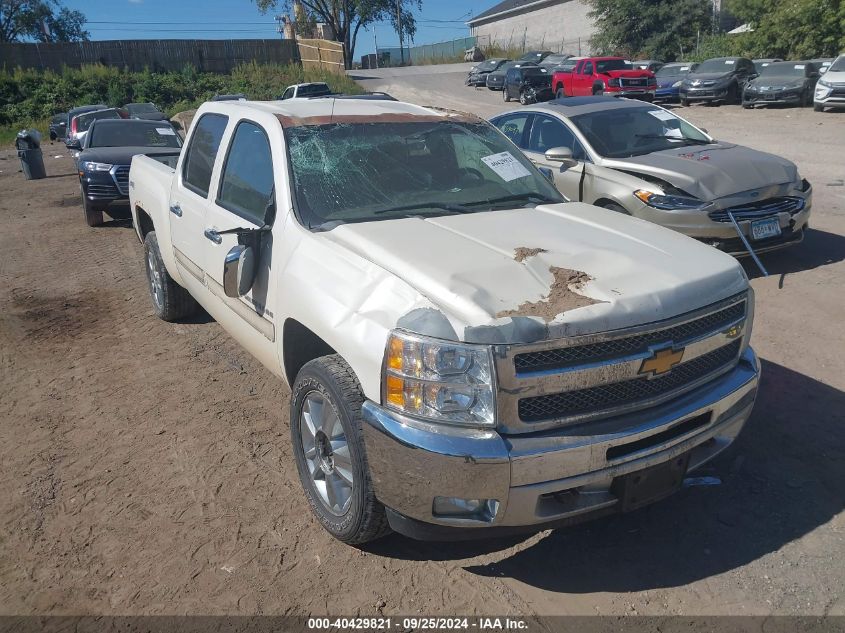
point(523, 97)
point(560, 94)
point(685, 102)
point(327, 435)
point(93, 212)
point(733, 95)
point(505, 95)
point(170, 300)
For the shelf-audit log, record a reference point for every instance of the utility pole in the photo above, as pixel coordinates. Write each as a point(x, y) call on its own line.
point(375, 44)
point(399, 25)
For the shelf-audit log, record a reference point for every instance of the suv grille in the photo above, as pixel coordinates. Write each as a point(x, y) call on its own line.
point(555, 359)
point(622, 393)
point(121, 179)
point(760, 209)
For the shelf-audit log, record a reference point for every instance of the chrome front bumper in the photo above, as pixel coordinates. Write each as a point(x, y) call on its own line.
point(546, 478)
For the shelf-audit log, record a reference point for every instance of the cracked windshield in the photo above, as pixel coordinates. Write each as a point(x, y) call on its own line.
point(373, 171)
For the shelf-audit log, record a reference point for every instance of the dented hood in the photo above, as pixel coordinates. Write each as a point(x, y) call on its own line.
point(528, 274)
point(709, 172)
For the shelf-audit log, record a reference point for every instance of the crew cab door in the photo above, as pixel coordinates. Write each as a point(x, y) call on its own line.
point(582, 80)
point(189, 198)
point(243, 198)
point(545, 133)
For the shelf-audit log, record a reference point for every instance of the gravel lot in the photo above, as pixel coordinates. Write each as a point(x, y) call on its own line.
point(146, 469)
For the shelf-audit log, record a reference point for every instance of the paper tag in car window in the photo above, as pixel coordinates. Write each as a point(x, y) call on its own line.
point(506, 166)
point(683, 68)
point(662, 115)
point(799, 66)
point(730, 62)
point(166, 131)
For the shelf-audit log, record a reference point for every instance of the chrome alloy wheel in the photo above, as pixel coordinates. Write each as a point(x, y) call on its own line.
point(326, 453)
point(156, 283)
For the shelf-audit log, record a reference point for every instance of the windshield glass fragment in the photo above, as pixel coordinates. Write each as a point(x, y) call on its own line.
point(359, 172)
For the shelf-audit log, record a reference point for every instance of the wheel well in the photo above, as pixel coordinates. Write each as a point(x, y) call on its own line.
point(598, 85)
point(299, 346)
point(559, 86)
point(603, 202)
point(145, 222)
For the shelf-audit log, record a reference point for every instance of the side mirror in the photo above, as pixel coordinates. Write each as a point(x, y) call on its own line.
point(239, 270)
point(74, 143)
point(561, 155)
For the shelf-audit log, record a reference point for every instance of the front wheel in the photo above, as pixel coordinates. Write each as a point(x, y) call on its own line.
point(327, 435)
point(505, 96)
point(560, 94)
point(93, 213)
point(170, 300)
point(685, 102)
point(524, 98)
point(818, 107)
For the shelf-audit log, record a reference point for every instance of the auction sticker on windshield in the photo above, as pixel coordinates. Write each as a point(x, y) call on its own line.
point(166, 131)
point(506, 166)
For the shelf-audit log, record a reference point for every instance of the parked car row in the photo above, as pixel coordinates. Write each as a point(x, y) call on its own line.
point(715, 81)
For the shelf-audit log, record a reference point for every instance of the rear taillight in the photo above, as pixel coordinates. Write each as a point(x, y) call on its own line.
point(73, 127)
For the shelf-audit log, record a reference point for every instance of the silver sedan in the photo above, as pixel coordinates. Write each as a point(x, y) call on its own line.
point(645, 161)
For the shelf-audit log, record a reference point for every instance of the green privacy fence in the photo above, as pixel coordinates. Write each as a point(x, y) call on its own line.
point(392, 56)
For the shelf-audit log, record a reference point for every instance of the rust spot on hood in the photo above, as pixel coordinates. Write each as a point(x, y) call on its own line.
point(522, 253)
point(561, 297)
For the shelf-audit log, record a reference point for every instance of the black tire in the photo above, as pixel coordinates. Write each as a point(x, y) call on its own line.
point(733, 95)
point(175, 302)
point(818, 107)
point(598, 91)
point(93, 212)
point(612, 206)
point(505, 95)
point(805, 100)
point(523, 98)
point(685, 102)
point(334, 381)
point(746, 106)
point(560, 94)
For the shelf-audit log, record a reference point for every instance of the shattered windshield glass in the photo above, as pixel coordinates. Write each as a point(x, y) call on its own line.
point(360, 172)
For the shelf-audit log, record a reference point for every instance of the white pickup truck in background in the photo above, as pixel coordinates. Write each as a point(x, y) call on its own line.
point(468, 353)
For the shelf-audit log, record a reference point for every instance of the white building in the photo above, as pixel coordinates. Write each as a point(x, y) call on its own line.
point(558, 25)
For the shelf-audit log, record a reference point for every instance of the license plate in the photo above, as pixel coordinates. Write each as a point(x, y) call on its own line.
point(646, 486)
point(764, 229)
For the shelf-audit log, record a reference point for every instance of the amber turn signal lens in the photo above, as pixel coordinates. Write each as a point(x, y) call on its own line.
point(395, 391)
point(395, 353)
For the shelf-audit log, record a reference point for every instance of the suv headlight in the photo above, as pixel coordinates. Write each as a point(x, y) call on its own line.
point(438, 380)
point(823, 89)
point(90, 166)
point(669, 203)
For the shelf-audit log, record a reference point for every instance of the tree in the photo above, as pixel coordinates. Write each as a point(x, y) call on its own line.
point(792, 29)
point(654, 29)
point(346, 17)
point(41, 21)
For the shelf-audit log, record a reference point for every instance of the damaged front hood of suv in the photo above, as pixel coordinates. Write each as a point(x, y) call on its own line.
point(710, 172)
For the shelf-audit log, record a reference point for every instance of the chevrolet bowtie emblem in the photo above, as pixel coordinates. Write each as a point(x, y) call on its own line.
point(661, 362)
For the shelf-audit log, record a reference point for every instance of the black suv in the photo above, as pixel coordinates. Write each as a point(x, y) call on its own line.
point(529, 84)
point(719, 80)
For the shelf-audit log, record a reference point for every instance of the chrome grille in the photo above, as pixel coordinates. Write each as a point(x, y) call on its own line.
point(757, 210)
point(554, 359)
point(568, 381)
point(627, 392)
point(101, 191)
point(121, 178)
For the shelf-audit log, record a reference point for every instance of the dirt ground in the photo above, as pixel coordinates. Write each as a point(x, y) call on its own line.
point(145, 467)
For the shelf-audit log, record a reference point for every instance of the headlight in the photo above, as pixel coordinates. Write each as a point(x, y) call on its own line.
point(89, 166)
point(438, 380)
point(669, 203)
point(614, 82)
point(823, 89)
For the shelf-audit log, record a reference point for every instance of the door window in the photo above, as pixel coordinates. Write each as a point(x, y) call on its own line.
point(587, 69)
point(513, 127)
point(202, 151)
point(547, 133)
point(288, 94)
point(246, 185)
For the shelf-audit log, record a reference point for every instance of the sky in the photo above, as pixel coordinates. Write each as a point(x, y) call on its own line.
point(439, 20)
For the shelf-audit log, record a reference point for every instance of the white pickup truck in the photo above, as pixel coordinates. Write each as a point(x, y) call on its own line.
point(469, 354)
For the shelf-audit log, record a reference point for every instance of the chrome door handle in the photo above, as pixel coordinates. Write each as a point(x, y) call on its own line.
point(214, 236)
point(176, 210)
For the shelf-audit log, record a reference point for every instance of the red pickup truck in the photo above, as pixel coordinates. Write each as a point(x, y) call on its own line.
point(602, 75)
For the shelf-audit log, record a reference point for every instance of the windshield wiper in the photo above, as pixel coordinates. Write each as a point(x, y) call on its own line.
point(694, 141)
point(527, 196)
point(445, 206)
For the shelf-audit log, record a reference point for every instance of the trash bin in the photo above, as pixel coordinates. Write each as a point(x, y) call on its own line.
point(28, 144)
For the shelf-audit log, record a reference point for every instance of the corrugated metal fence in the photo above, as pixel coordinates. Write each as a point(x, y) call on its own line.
point(452, 49)
point(161, 55)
